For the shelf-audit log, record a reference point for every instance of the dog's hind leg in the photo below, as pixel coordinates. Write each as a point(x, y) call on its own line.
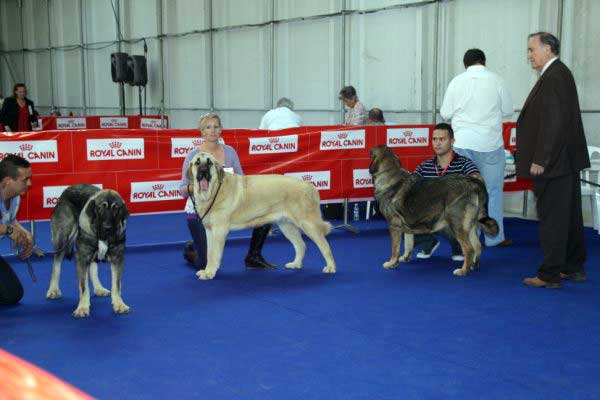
point(409, 243)
point(314, 231)
point(474, 239)
point(215, 241)
point(83, 308)
point(292, 233)
point(116, 269)
point(54, 289)
point(396, 237)
point(467, 251)
point(99, 290)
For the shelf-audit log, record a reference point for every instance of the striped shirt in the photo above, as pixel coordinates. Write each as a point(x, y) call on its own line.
point(459, 165)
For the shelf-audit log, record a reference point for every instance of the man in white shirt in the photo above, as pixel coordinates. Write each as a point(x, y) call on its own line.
point(476, 101)
point(281, 117)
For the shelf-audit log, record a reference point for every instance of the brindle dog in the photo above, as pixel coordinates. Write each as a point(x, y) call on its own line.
point(411, 204)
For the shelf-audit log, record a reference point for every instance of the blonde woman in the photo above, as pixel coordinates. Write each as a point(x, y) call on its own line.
point(195, 251)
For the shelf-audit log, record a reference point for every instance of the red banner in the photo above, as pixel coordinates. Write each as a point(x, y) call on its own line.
point(145, 165)
point(104, 122)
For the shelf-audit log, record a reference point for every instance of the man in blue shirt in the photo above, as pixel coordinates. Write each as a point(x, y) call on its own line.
point(15, 180)
point(445, 162)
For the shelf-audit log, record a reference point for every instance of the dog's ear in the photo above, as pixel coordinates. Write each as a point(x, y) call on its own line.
point(220, 171)
point(188, 173)
point(91, 213)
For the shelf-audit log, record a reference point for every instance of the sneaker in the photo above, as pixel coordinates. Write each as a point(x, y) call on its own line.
point(424, 254)
point(458, 257)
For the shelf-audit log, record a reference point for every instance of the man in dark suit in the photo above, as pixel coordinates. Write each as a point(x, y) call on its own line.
point(551, 149)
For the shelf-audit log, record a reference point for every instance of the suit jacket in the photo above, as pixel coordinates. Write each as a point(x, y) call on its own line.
point(549, 128)
point(9, 114)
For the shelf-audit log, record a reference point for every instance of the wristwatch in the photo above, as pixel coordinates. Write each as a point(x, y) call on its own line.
point(9, 230)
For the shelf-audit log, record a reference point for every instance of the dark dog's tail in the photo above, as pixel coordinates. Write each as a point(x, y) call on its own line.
point(489, 225)
point(66, 244)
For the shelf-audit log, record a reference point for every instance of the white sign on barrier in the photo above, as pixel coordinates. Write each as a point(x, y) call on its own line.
point(320, 179)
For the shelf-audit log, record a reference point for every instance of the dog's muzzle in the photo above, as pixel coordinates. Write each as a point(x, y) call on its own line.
point(203, 176)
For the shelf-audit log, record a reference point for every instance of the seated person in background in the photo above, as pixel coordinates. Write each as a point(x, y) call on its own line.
point(281, 116)
point(355, 111)
point(445, 162)
point(376, 117)
point(55, 113)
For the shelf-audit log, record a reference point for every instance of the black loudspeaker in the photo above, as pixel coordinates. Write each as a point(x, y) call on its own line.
point(118, 67)
point(137, 71)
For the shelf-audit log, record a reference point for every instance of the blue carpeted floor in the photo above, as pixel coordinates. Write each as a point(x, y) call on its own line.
point(416, 332)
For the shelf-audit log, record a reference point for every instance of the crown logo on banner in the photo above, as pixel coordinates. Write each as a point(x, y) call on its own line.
point(26, 146)
point(115, 145)
point(342, 135)
point(158, 186)
point(307, 177)
point(408, 133)
point(273, 139)
point(197, 142)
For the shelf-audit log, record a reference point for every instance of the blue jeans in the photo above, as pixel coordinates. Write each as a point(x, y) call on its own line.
point(491, 166)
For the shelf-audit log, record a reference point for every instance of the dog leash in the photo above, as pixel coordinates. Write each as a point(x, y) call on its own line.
point(580, 180)
point(209, 207)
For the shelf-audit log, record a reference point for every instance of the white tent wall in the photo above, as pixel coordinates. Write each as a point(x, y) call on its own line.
point(239, 56)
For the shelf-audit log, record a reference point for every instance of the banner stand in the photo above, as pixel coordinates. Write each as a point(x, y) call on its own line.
point(345, 224)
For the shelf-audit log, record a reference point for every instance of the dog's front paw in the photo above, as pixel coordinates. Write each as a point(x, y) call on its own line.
point(390, 264)
point(120, 308)
point(459, 272)
point(292, 265)
point(81, 312)
point(101, 292)
point(329, 269)
point(404, 259)
point(205, 275)
point(53, 293)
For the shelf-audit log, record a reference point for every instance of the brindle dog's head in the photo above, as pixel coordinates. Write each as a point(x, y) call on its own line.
point(383, 159)
point(204, 171)
point(108, 215)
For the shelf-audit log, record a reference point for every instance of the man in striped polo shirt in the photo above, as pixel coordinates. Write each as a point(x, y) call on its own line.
point(445, 162)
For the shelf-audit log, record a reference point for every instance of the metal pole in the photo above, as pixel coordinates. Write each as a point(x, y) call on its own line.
point(211, 85)
point(559, 19)
point(119, 48)
point(51, 61)
point(435, 61)
point(272, 54)
point(343, 55)
point(83, 77)
point(161, 76)
point(22, 41)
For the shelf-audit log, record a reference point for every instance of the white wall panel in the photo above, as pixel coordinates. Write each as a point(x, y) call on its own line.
point(582, 50)
point(186, 72)
point(370, 4)
point(243, 119)
point(99, 21)
point(67, 78)
point(64, 20)
point(285, 9)
point(242, 72)
point(139, 18)
point(101, 90)
point(184, 15)
point(35, 27)
point(308, 62)
point(10, 27)
point(38, 78)
point(388, 74)
point(238, 12)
